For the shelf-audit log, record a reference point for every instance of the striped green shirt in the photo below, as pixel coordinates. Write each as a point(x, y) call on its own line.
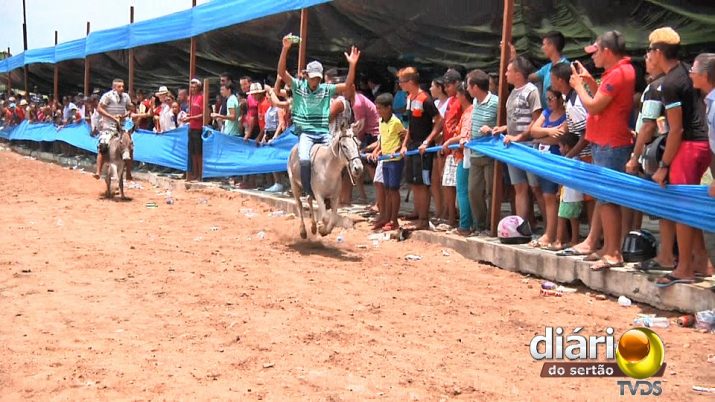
point(311, 109)
point(484, 114)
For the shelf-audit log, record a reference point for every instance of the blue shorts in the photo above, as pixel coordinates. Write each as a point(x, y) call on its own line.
point(392, 173)
point(611, 158)
point(548, 187)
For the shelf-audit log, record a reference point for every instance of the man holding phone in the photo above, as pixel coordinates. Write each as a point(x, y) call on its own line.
point(607, 130)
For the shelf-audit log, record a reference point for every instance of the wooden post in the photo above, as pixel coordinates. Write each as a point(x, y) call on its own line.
point(497, 186)
point(56, 92)
point(24, 41)
point(303, 40)
point(131, 58)
point(207, 112)
point(86, 69)
point(9, 75)
point(192, 63)
point(192, 52)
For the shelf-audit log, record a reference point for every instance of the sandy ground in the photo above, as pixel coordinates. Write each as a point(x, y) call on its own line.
point(105, 300)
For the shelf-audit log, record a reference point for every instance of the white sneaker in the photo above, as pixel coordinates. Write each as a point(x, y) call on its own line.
point(276, 188)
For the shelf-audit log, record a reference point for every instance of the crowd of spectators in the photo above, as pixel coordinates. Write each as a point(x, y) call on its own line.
point(559, 109)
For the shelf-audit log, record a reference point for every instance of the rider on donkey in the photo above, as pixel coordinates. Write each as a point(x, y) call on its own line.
point(311, 105)
point(113, 107)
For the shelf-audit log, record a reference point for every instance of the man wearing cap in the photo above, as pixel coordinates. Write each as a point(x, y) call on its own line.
point(311, 105)
point(687, 152)
point(255, 95)
point(113, 106)
point(609, 111)
point(163, 119)
point(23, 110)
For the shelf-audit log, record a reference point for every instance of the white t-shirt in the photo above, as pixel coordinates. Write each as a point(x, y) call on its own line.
point(165, 118)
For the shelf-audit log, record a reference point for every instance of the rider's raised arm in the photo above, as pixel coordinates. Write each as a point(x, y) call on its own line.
point(352, 59)
point(282, 71)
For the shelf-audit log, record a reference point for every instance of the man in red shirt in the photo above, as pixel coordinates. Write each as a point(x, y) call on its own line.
point(607, 129)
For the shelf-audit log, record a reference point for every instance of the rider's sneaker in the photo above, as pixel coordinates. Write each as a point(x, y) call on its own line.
point(276, 188)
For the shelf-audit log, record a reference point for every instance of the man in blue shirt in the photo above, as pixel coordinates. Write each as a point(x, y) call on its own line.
point(552, 44)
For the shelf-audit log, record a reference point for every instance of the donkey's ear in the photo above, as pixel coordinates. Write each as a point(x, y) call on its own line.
point(358, 126)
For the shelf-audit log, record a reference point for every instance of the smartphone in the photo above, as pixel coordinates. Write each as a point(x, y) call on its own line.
point(577, 66)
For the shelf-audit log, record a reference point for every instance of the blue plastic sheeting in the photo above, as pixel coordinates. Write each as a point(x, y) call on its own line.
point(226, 156)
point(168, 149)
point(207, 17)
point(687, 204)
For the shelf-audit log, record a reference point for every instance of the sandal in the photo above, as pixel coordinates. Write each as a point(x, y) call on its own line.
point(653, 265)
point(670, 280)
point(593, 257)
point(388, 227)
point(571, 252)
point(551, 247)
point(604, 264)
point(538, 244)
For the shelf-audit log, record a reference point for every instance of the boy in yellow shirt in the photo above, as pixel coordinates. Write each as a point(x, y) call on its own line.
point(392, 133)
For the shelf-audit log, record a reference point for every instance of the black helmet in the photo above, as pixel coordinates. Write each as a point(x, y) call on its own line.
point(639, 245)
point(653, 154)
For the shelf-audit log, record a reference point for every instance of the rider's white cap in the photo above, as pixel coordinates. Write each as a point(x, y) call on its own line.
point(314, 69)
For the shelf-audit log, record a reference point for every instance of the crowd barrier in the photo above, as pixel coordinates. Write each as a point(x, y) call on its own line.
point(226, 156)
point(687, 204)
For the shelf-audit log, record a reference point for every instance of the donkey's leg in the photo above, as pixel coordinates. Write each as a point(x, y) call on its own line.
point(108, 180)
point(122, 168)
point(332, 214)
point(311, 212)
point(322, 216)
point(295, 188)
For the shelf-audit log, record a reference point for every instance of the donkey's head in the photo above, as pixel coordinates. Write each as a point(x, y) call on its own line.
point(348, 148)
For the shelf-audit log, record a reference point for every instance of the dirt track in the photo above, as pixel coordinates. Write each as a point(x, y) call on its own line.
point(106, 300)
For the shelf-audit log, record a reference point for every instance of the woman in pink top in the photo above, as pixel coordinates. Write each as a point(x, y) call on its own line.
point(196, 123)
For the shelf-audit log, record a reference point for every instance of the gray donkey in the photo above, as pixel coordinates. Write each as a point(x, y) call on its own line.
point(328, 162)
point(117, 152)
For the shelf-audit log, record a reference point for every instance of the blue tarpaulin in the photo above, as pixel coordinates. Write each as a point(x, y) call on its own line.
point(226, 156)
point(204, 18)
point(687, 204)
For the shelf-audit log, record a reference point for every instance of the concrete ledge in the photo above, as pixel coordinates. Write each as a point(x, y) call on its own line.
point(626, 281)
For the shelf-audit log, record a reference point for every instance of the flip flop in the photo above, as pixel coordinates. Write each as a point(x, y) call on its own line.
point(551, 247)
point(571, 252)
point(388, 227)
point(593, 257)
point(603, 265)
point(671, 280)
point(653, 265)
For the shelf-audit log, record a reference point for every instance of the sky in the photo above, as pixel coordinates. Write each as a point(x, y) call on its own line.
point(69, 18)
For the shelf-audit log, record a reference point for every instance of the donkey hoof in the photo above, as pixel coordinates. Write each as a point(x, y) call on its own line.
point(303, 234)
point(313, 228)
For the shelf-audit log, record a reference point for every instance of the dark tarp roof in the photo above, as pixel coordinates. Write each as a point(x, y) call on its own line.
point(429, 34)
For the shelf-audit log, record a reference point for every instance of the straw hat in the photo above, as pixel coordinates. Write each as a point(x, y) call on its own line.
point(256, 88)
